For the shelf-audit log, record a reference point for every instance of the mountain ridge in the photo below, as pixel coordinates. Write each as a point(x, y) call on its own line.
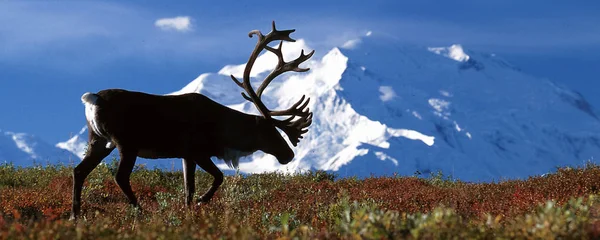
point(22, 149)
point(399, 108)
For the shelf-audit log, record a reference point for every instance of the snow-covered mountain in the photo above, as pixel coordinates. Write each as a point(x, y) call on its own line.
point(23, 149)
point(382, 107)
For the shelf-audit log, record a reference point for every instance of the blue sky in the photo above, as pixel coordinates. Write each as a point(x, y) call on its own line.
point(51, 52)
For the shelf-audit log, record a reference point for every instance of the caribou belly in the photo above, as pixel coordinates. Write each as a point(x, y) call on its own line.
point(153, 154)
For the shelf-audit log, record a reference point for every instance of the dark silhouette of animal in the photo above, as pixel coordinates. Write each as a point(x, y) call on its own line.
point(190, 126)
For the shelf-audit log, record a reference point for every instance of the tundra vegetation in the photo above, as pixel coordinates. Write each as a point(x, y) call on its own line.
point(35, 203)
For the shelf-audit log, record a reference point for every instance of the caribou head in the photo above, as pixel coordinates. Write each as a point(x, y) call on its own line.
point(272, 141)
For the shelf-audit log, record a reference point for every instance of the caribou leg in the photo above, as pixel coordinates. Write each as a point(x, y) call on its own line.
point(189, 168)
point(124, 169)
point(212, 169)
point(96, 152)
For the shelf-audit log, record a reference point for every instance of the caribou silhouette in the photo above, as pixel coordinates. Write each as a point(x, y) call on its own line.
point(190, 126)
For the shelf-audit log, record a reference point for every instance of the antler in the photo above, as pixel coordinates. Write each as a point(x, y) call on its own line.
point(294, 129)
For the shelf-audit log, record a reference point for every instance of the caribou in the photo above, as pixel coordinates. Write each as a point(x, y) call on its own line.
point(191, 126)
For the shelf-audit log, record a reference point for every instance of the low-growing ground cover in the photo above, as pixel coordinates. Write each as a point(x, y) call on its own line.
point(35, 203)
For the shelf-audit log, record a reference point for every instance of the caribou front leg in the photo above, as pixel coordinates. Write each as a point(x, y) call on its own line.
point(189, 169)
point(212, 169)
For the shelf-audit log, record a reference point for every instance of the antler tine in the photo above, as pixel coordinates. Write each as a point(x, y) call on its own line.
point(294, 110)
point(240, 84)
point(293, 65)
point(295, 129)
point(277, 51)
point(273, 35)
point(289, 119)
point(300, 123)
point(279, 34)
point(283, 66)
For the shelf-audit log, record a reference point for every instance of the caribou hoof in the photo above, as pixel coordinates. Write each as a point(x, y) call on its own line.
point(204, 199)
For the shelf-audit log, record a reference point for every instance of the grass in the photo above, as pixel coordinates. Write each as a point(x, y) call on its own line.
point(35, 204)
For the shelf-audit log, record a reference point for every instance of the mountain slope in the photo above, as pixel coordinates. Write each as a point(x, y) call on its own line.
point(490, 120)
point(381, 107)
point(23, 149)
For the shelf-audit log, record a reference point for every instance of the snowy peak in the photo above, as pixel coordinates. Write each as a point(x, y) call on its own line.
point(24, 142)
point(454, 52)
point(76, 144)
point(23, 149)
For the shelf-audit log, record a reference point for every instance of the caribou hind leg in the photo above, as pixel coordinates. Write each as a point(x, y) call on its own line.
point(95, 153)
point(189, 169)
point(207, 165)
